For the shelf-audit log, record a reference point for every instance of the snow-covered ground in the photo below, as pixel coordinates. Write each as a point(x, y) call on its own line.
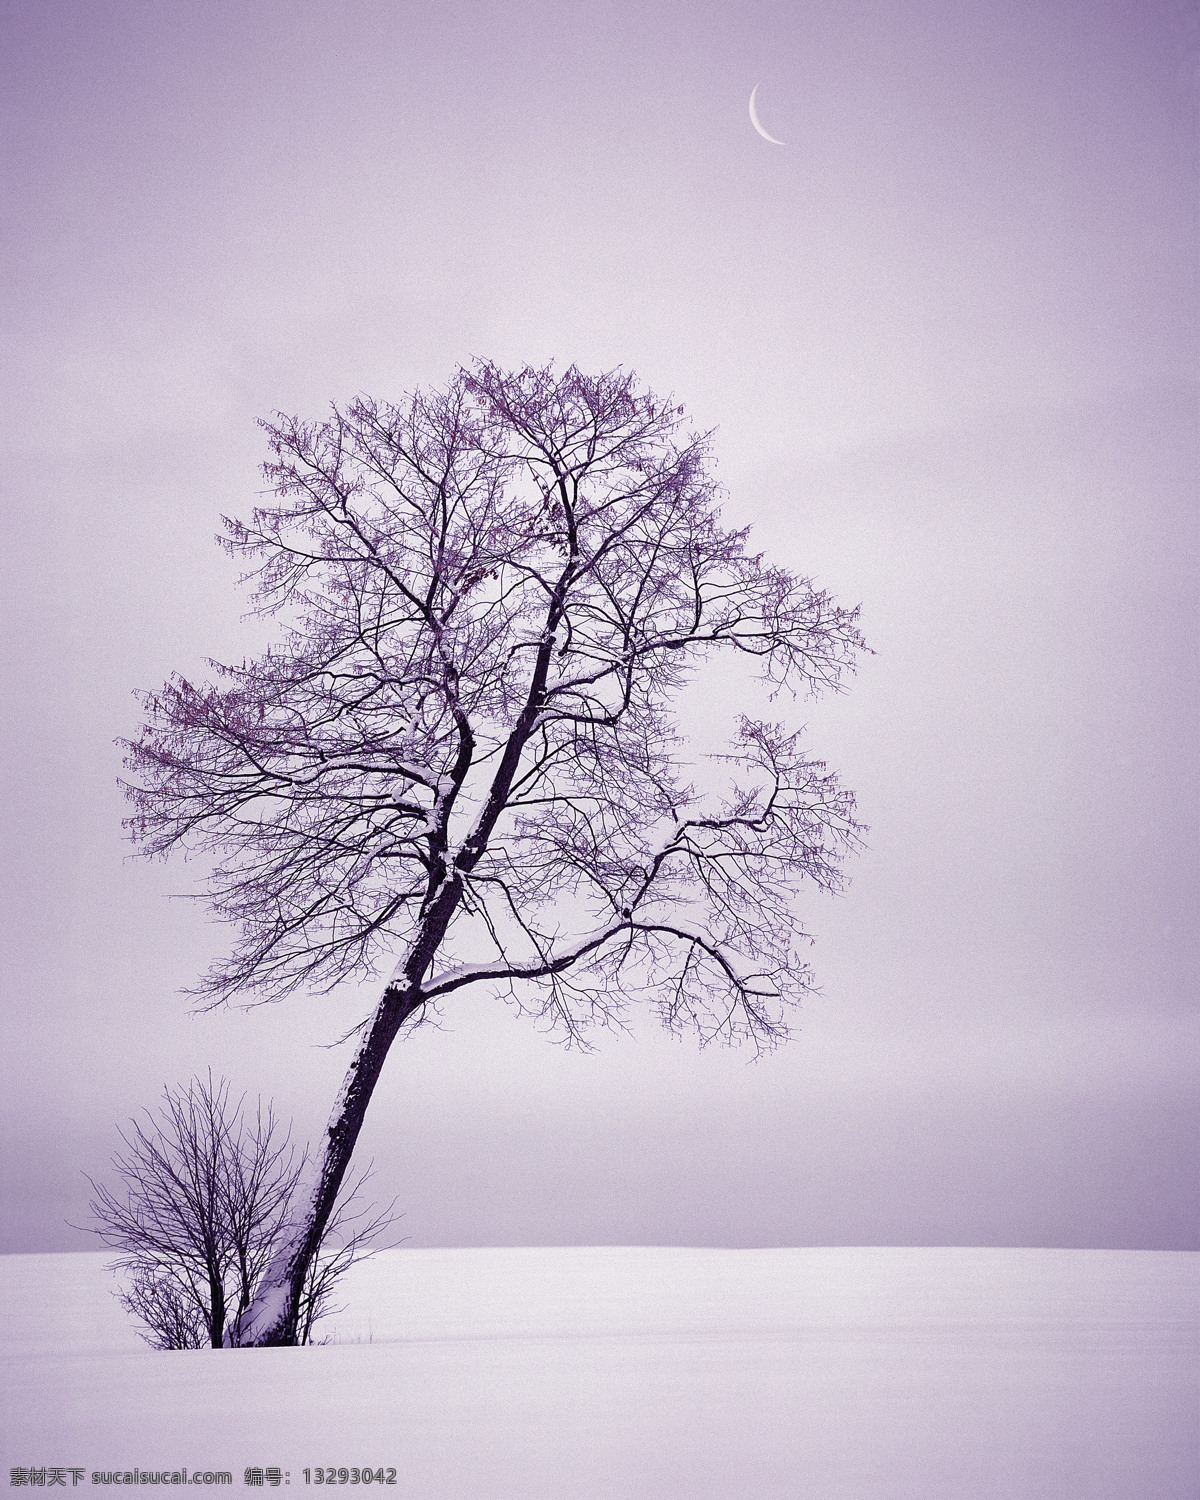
point(657, 1373)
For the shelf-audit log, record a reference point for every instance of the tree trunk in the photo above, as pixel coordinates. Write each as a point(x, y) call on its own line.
point(272, 1316)
point(216, 1305)
point(274, 1313)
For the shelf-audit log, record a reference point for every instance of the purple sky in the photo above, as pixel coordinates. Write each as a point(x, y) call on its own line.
point(948, 335)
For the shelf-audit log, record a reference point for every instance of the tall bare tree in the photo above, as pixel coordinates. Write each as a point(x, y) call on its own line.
point(459, 766)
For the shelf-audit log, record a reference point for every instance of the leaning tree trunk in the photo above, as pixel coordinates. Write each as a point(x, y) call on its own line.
point(273, 1315)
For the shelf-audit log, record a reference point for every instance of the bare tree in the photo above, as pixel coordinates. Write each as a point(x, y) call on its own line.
point(459, 765)
point(207, 1194)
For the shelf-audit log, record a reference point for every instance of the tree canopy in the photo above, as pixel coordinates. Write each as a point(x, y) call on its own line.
point(458, 764)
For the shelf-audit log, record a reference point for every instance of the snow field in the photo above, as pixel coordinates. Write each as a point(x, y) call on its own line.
point(650, 1374)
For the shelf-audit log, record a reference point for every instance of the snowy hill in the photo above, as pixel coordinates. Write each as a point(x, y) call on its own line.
point(655, 1373)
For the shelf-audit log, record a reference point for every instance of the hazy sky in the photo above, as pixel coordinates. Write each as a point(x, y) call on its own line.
point(948, 335)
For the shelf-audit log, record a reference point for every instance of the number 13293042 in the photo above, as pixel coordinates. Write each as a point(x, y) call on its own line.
point(350, 1476)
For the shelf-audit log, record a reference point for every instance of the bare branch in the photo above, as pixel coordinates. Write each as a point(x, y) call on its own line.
point(459, 764)
point(207, 1192)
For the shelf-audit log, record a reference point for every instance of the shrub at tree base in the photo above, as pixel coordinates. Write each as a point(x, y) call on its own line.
point(208, 1194)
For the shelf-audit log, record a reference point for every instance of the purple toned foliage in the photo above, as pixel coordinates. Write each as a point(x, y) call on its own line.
point(459, 762)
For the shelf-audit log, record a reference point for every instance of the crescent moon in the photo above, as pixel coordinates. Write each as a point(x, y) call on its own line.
point(754, 120)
